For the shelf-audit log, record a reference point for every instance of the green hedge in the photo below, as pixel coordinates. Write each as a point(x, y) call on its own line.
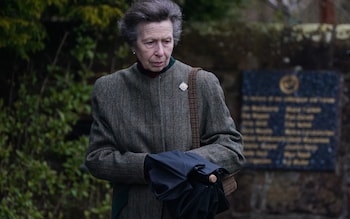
point(40, 173)
point(49, 50)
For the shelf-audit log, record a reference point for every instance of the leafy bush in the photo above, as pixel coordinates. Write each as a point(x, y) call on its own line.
point(40, 175)
point(51, 49)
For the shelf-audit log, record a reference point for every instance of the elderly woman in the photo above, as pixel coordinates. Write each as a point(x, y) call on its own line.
point(144, 109)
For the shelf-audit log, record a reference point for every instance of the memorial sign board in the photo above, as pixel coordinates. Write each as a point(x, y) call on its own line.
point(290, 120)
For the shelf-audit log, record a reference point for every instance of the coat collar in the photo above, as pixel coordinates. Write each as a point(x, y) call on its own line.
point(152, 74)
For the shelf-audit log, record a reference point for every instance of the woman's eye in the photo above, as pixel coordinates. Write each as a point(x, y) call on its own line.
point(149, 43)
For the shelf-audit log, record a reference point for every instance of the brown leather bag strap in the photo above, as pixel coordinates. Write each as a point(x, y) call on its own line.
point(192, 98)
point(229, 183)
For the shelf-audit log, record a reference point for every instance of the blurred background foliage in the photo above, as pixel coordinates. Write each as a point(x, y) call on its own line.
point(51, 51)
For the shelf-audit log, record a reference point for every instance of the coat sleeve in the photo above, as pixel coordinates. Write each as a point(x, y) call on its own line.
point(220, 141)
point(104, 159)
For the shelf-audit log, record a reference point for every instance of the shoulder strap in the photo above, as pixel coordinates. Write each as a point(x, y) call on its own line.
point(192, 98)
point(229, 183)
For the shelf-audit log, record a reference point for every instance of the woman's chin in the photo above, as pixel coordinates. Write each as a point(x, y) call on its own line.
point(156, 68)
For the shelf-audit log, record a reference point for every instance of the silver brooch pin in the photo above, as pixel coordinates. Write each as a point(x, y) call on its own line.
point(183, 86)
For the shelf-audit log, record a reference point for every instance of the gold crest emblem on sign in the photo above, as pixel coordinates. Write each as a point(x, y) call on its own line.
point(289, 84)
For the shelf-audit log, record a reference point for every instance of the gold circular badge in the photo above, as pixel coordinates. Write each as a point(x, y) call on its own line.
point(289, 84)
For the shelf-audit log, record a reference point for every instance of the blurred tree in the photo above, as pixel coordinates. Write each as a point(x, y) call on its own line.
point(49, 50)
point(64, 33)
point(22, 23)
point(204, 10)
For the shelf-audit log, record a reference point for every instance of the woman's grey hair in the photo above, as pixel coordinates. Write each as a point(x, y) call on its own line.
point(150, 11)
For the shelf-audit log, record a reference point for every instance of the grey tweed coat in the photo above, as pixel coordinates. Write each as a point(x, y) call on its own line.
point(134, 114)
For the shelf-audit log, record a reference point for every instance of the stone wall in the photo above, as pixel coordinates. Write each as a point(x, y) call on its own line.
point(276, 193)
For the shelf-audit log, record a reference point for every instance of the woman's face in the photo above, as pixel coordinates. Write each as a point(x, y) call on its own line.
point(154, 44)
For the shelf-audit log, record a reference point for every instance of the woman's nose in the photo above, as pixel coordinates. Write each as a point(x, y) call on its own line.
point(159, 50)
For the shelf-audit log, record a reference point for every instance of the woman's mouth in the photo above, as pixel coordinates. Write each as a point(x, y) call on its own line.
point(157, 64)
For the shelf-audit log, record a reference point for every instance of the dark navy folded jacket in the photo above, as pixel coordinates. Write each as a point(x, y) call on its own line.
point(180, 179)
